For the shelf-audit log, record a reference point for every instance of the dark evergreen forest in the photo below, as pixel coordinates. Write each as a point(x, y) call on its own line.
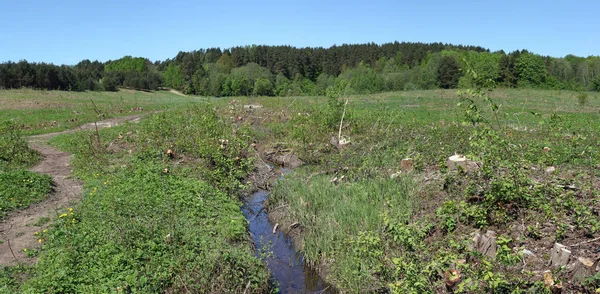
point(286, 70)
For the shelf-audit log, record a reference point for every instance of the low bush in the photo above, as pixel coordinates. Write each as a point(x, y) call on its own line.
point(14, 150)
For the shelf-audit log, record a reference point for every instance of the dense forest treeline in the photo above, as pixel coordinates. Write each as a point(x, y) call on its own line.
point(338, 70)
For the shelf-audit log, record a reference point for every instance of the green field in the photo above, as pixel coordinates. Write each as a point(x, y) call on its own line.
point(52, 111)
point(153, 222)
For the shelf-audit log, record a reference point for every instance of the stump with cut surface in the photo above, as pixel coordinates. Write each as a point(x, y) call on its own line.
point(406, 164)
point(486, 243)
point(458, 161)
point(584, 268)
point(559, 255)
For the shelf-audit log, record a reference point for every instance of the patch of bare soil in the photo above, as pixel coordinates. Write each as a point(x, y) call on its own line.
point(177, 93)
point(31, 104)
point(17, 230)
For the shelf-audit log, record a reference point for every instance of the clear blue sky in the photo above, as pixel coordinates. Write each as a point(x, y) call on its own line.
point(68, 31)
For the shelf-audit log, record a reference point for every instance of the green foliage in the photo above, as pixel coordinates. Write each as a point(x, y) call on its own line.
point(282, 85)
point(263, 87)
point(324, 81)
point(398, 66)
point(149, 224)
point(226, 61)
point(596, 83)
point(173, 78)
point(486, 65)
point(14, 150)
point(531, 70)
point(447, 215)
point(448, 72)
point(409, 236)
point(134, 73)
point(19, 189)
point(126, 64)
point(367, 254)
point(361, 80)
point(11, 277)
point(428, 78)
point(582, 98)
point(146, 231)
point(504, 253)
point(111, 81)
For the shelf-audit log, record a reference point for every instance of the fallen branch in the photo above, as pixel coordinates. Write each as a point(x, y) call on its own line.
point(11, 251)
point(247, 287)
point(585, 242)
point(184, 286)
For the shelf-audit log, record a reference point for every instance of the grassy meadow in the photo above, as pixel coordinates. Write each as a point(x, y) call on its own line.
point(155, 221)
point(37, 112)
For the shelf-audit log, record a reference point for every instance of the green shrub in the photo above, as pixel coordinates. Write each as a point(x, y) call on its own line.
point(582, 98)
point(596, 84)
point(14, 150)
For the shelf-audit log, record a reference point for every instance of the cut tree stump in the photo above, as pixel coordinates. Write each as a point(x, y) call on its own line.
point(252, 106)
point(559, 255)
point(486, 244)
point(460, 161)
point(406, 164)
point(583, 268)
point(288, 160)
point(339, 144)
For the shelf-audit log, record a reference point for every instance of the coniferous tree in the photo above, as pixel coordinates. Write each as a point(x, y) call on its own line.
point(448, 72)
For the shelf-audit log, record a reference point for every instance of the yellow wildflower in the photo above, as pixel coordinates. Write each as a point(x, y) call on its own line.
point(45, 231)
point(24, 249)
point(39, 240)
point(35, 233)
point(62, 215)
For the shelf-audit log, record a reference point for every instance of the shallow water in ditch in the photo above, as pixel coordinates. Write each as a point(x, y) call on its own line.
point(286, 265)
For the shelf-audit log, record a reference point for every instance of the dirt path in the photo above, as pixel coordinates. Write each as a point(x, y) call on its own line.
point(17, 230)
point(177, 92)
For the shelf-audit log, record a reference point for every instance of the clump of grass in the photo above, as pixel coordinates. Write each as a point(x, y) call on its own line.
point(19, 189)
point(41, 221)
point(582, 98)
point(344, 222)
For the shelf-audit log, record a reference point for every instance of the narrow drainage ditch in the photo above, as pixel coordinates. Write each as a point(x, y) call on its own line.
point(288, 269)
